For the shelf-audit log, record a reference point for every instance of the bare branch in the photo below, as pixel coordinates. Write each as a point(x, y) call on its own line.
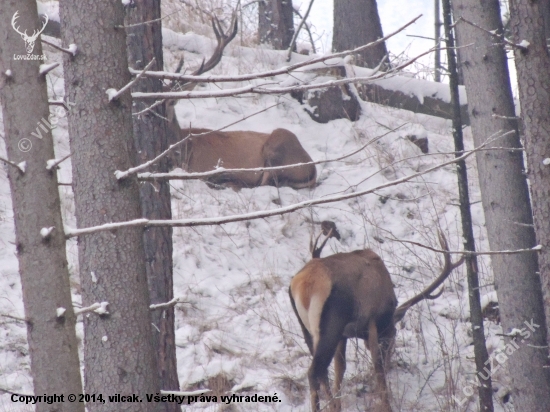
point(71, 50)
point(470, 253)
point(17, 393)
point(202, 175)
point(271, 73)
point(171, 303)
point(46, 68)
point(99, 308)
point(147, 109)
point(9, 162)
point(133, 170)
point(53, 163)
point(144, 23)
point(114, 94)
point(17, 318)
point(72, 232)
point(261, 89)
point(298, 31)
point(493, 33)
point(313, 49)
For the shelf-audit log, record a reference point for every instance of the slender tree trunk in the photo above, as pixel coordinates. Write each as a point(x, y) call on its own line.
point(356, 22)
point(437, 35)
point(53, 348)
point(533, 68)
point(151, 139)
point(276, 23)
point(476, 318)
point(504, 195)
point(119, 356)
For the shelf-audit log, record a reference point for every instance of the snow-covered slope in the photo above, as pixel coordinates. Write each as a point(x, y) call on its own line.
point(236, 332)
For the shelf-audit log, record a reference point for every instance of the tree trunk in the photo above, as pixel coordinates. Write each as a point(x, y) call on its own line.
point(533, 68)
point(119, 356)
point(151, 139)
point(437, 35)
point(356, 22)
point(276, 23)
point(476, 318)
point(53, 347)
point(505, 196)
point(545, 9)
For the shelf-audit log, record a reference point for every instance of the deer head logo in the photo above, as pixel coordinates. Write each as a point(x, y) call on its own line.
point(29, 40)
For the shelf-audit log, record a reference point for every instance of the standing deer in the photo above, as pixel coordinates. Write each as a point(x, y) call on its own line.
point(350, 295)
point(239, 149)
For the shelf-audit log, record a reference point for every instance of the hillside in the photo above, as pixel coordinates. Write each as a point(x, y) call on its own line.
point(236, 332)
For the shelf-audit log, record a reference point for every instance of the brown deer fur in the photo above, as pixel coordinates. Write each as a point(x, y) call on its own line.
point(244, 150)
point(338, 297)
point(238, 150)
point(350, 295)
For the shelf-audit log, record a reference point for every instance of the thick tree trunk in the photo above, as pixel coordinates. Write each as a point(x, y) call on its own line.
point(276, 23)
point(533, 68)
point(505, 197)
point(356, 22)
point(476, 318)
point(53, 348)
point(151, 139)
point(545, 9)
point(119, 356)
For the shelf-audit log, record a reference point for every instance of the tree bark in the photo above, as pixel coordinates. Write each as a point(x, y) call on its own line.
point(53, 347)
point(151, 139)
point(275, 23)
point(437, 35)
point(545, 9)
point(118, 349)
point(356, 22)
point(476, 318)
point(505, 196)
point(533, 68)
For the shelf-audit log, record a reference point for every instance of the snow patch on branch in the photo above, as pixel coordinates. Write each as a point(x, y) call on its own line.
point(60, 312)
point(111, 93)
point(102, 309)
point(99, 308)
point(51, 163)
point(45, 232)
point(166, 304)
point(546, 162)
point(46, 68)
point(22, 166)
point(72, 49)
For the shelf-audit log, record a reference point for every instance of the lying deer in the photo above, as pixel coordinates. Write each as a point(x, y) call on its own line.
point(350, 295)
point(205, 150)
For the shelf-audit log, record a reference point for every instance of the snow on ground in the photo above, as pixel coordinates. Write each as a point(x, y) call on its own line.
point(236, 331)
